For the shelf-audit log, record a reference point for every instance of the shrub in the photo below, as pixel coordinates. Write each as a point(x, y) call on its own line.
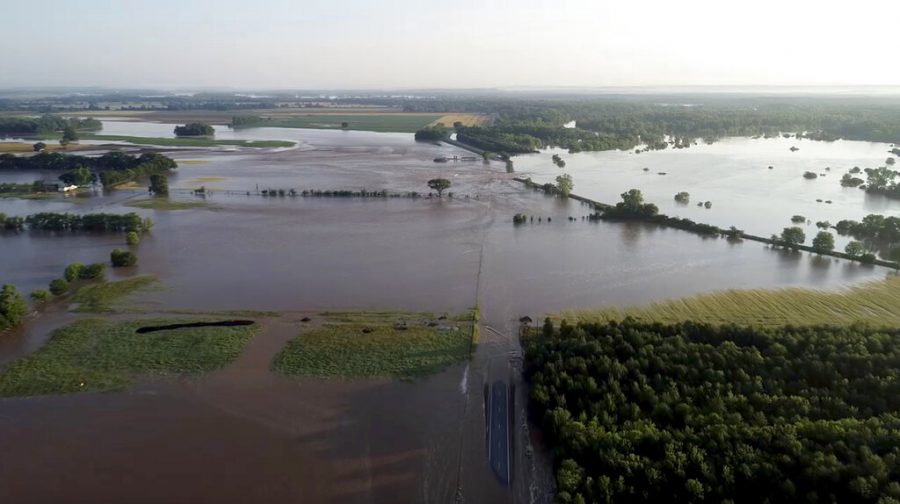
point(798, 219)
point(12, 307)
point(92, 271)
point(122, 258)
point(73, 271)
point(132, 238)
point(683, 197)
point(40, 295)
point(59, 287)
point(810, 175)
point(519, 218)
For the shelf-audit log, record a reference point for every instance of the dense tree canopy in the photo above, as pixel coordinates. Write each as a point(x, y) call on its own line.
point(195, 129)
point(432, 133)
point(695, 413)
point(49, 221)
point(45, 125)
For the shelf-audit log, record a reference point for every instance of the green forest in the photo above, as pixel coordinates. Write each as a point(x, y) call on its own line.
point(660, 122)
point(45, 125)
point(647, 412)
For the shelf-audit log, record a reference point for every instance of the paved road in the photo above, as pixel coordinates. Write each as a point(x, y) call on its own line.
point(499, 430)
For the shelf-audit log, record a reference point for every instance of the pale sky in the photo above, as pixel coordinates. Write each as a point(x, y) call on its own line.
point(405, 44)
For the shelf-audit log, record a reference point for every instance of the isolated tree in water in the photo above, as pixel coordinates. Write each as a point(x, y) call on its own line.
point(564, 184)
point(439, 185)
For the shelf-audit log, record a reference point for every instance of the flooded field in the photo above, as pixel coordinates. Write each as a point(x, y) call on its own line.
point(734, 175)
point(261, 437)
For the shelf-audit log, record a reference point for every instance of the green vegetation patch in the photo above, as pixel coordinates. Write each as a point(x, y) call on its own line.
point(639, 412)
point(103, 296)
point(379, 344)
point(388, 123)
point(166, 204)
point(100, 355)
point(876, 303)
point(189, 142)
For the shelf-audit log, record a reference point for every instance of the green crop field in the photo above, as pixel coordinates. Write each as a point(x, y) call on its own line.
point(100, 355)
point(877, 303)
point(102, 296)
point(358, 345)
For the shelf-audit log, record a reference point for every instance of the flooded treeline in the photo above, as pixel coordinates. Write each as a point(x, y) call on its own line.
point(633, 208)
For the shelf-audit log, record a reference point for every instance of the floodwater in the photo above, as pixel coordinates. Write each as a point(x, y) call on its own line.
point(733, 174)
point(245, 435)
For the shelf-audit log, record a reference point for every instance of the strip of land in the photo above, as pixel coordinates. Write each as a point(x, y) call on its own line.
point(189, 142)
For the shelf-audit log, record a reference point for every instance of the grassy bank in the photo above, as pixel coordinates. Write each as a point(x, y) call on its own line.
point(103, 296)
point(100, 355)
point(378, 344)
point(386, 123)
point(189, 142)
point(168, 204)
point(876, 303)
point(26, 147)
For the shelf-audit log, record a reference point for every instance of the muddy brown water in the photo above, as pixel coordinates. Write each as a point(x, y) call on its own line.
point(244, 434)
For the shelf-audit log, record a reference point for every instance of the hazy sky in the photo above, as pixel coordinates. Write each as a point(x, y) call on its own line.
point(304, 44)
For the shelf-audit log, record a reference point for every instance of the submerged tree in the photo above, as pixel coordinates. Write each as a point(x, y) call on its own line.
point(439, 185)
point(564, 184)
point(159, 184)
point(132, 238)
point(79, 176)
point(823, 242)
point(122, 258)
point(855, 249)
point(793, 236)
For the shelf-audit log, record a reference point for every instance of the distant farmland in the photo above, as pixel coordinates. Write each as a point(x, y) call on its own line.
point(396, 122)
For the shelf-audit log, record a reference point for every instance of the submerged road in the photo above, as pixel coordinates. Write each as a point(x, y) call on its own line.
point(499, 429)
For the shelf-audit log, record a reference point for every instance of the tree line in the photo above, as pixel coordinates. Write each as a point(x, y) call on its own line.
point(641, 412)
point(659, 122)
point(111, 168)
point(97, 222)
point(46, 124)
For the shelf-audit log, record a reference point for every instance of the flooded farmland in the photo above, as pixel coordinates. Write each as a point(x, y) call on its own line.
point(262, 437)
